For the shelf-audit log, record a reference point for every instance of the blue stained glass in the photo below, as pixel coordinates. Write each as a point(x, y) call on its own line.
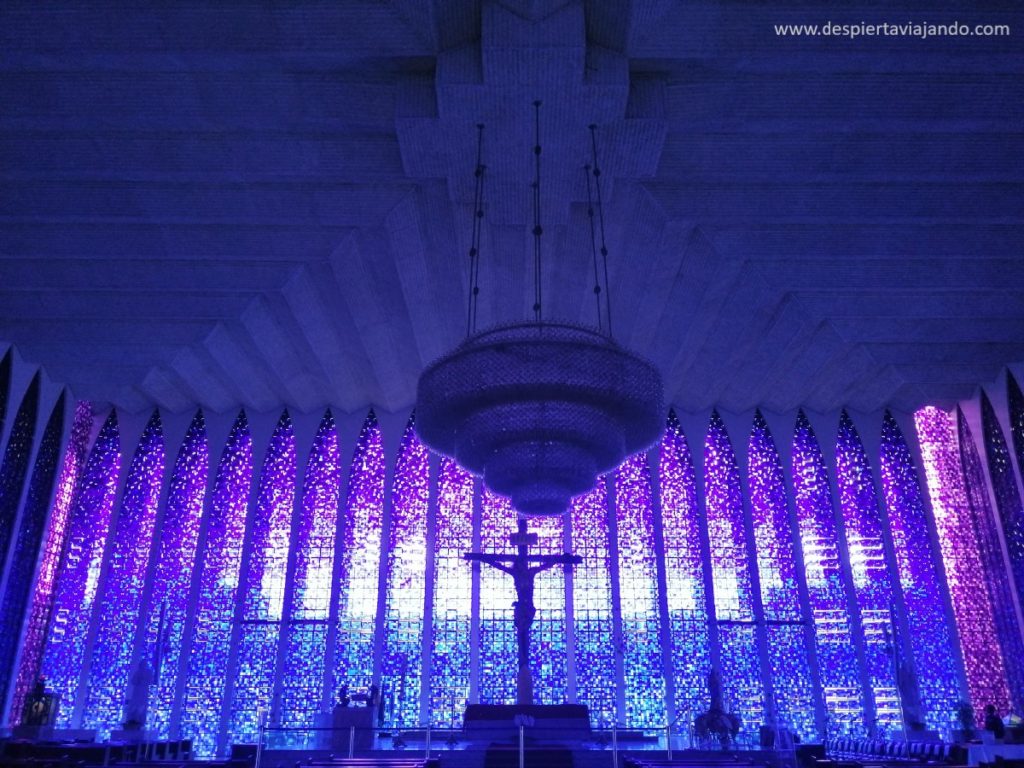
point(788, 652)
point(452, 598)
point(837, 659)
point(644, 675)
point(121, 603)
point(263, 586)
point(742, 684)
point(937, 689)
point(872, 584)
point(302, 689)
point(26, 545)
point(79, 576)
point(497, 593)
point(685, 579)
point(405, 588)
point(175, 561)
point(51, 558)
point(547, 638)
point(360, 562)
point(997, 581)
point(15, 464)
point(207, 672)
point(593, 621)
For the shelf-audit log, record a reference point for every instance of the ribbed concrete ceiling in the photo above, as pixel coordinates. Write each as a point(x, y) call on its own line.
point(262, 204)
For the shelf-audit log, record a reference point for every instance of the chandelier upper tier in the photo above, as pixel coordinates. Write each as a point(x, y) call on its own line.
point(540, 409)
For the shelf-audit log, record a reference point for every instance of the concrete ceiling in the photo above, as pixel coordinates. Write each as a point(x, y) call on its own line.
point(269, 203)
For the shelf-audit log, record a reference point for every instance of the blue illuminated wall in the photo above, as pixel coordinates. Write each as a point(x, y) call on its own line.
point(788, 652)
point(930, 674)
point(833, 631)
point(405, 590)
point(263, 584)
point(306, 636)
point(175, 563)
point(78, 580)
point(356, 576)
point(359, 568)
point(872, 583)
point(206, 668)
point(452, 600)
point(121, 603)
point(643, 670)
point(685, 572)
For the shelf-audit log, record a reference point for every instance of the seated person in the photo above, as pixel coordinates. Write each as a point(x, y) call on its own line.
point(993, 722)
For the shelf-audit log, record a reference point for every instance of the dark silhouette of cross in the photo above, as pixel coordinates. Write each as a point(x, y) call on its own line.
point(523, 567)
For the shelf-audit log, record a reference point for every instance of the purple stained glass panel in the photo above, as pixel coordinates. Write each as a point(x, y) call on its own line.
point(837, 660)
point(78, 579)
point(175, 561)
point(788, 651)
point(302, 687)
point(644, 676)
point(983, 658)
point(931, 643)
point(263, 585)
point(872, 583)
point(360, 562)
point(452, 598)
point(50, 560)
point(405, 587)
point(121, 603)
point(742, 683)
point(207, 673)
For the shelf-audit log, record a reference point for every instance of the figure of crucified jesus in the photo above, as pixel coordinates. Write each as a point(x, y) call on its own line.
point(523, 567)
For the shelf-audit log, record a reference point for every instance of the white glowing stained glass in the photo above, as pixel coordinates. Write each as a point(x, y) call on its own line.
point(402, 659)
point(263, 586)
point(644, 674)
point(360, 562)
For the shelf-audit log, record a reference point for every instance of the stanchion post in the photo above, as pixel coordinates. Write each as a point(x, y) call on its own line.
point(427, 755)
point(522, 746)
point(351, 741)
point(615, 745)
point(259, 736)
point(668, 741)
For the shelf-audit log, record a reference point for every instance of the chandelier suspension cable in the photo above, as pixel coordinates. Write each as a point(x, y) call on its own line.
point(600, 218)
point(474, 247)
point(537, 231)
point(593, 245)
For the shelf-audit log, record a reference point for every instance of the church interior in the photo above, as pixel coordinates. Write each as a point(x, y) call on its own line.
point(614, 381)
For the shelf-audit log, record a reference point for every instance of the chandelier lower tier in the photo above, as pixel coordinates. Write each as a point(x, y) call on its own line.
point(539, 410)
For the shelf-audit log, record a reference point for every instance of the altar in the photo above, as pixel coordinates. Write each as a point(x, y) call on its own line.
point(544, 723)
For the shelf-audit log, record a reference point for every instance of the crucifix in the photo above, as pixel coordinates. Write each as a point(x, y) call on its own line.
point(523, 567)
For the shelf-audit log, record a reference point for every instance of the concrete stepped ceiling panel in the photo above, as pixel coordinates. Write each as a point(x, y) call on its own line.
point(269, 204)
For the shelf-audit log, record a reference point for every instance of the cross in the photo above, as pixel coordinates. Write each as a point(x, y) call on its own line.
point(523, 567)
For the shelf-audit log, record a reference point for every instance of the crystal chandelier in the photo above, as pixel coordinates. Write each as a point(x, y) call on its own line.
point(539, 409)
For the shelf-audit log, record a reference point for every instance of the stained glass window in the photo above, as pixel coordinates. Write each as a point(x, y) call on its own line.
point(121, 602)
point(983, 658)
point(497, 593)
point(788, 652)
point(360, 562)
point(15, 464)
point(644, 677)
point(207, 672)
point(263, 586)
point(78, 580)
point(26, 544)
point(837, 660)
point(871, 581)
point(452, 598)
point(50, 561)
point(302, 687)
point(994, 566)
point(405, 591)
point(935, 683)
point(742, 683)
point(175, 562)
point(593, 621)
